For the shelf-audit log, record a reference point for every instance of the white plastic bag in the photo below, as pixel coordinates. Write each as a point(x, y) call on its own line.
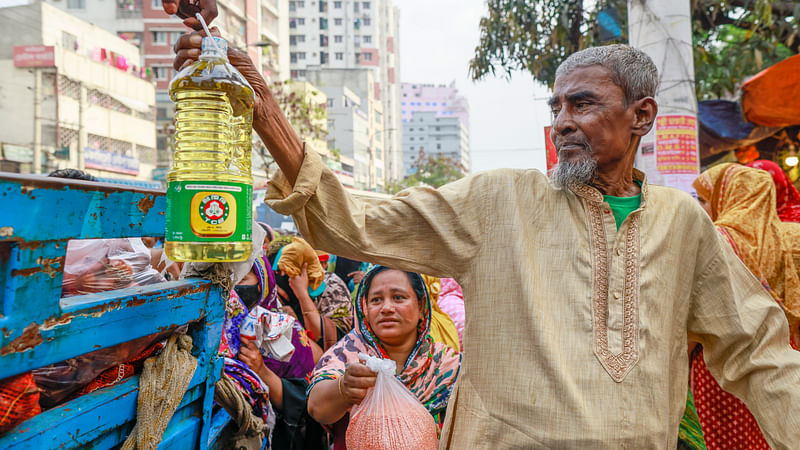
point(98, 265)
point(390, 416)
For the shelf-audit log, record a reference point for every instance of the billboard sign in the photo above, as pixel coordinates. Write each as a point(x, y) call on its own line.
point(34, 56)
point(94, 158)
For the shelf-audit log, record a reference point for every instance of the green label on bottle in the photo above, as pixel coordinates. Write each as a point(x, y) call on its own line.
point(209, 211)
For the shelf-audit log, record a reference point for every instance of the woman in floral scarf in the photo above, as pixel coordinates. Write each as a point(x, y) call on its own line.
point(393, 316)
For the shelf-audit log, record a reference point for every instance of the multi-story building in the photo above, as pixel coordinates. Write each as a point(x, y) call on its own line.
point(346, 35)
point(71, 97)
point(444, 102)
point(435, 136)
point(356, 122)
point(260, 27)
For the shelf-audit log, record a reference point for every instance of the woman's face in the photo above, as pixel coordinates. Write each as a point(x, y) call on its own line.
point(393, 309)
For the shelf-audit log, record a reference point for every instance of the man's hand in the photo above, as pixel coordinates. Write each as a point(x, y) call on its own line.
point(187, 50)
point(186, 9)
point(357, 380)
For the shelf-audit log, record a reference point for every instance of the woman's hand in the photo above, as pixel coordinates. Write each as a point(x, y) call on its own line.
point(356, 381)
point(299, 283)
point(187, 50)
point(358, 275)
point(251, 355)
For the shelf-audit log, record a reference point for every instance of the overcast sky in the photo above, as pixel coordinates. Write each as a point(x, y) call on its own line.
point(437, 40)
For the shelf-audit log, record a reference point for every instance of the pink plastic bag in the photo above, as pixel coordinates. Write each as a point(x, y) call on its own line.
point(390, 416)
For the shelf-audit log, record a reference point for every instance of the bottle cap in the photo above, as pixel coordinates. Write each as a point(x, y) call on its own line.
point(209, 49)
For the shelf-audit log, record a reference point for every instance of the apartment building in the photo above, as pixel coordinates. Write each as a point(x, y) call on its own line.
point(435, 136)
point(419, 104)
point(346, 35)
point(72, 96)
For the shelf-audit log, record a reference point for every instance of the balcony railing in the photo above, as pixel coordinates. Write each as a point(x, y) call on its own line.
point(129, 9)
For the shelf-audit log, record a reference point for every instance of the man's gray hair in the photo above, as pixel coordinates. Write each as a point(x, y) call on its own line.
point(631, 69)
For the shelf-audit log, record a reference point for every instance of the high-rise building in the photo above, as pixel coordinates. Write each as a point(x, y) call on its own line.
point(436, 120)
point(260, 27)
point(435, 136)
point(71, 97)
point(345, 35)
point(356, 122)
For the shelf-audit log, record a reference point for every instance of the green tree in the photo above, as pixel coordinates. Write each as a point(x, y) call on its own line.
point(733, 39)
point(429, 170)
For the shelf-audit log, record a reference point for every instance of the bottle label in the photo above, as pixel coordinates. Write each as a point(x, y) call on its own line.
point(209, 211)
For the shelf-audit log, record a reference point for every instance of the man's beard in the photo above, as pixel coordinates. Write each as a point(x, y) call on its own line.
point(582, 170)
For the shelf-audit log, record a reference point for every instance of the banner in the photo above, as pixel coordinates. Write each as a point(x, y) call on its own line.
point(34, 56)
point(94, 158)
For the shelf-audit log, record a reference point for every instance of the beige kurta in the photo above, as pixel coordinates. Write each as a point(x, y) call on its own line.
point(576, 333)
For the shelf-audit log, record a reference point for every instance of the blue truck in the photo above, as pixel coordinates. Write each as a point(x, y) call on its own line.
point(38, 327)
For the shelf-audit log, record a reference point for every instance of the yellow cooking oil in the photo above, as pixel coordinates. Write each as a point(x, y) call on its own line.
point(210, 187)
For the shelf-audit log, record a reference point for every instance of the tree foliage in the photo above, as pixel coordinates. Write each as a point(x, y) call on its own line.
point(306, 116)
point(733, 39)
point(429, 170)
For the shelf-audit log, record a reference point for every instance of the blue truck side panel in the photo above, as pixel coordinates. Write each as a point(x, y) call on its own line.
point(38, 328)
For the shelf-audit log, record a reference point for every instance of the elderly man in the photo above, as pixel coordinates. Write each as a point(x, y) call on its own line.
point(580, 290)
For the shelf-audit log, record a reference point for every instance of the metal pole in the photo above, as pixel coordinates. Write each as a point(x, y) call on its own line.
point(662, 29)
point(36, 166)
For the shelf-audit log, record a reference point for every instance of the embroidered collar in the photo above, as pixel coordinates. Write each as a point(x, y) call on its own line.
point(591, 194)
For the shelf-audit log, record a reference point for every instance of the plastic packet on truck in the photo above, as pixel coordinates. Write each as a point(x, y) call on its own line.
point(98, 265)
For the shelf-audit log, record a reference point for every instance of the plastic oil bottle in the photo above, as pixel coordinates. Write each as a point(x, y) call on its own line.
point(210, 186)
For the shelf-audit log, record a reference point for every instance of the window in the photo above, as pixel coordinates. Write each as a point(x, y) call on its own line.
point(161, 73)
point(367, 21)
point(301, 55)
point(323, 40)
point(365, 5)
point(337, 5)
point(437, 128)
point(339, 56)
point(337, 39)
point(293, 57)
point(292, 6)
point(403, 103)
point(159, 38)
point(323, 57)
point(444, 104)
point(337, 22)
point(367, 56)
point(323, 24)
point(438, 146)
point(434, 103)
point(301, 21)
point(292, 40)
point(367, 39)
point(174, 36)
point(157, 4)
point(292, 23)
point(323, 7)
point(412, 139)
point(330, 105)
point(301, 4)
point(427, 103)
point(78, 4)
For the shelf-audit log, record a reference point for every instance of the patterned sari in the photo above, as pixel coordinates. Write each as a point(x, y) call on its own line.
point(742, 201)
point(787, 198)
point(429, 372)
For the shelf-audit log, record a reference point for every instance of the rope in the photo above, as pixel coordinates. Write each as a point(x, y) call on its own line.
point(162, 385)
point(252, 430)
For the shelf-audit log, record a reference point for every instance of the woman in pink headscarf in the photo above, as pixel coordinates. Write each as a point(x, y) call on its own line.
point(788, 198)
point(451, 301)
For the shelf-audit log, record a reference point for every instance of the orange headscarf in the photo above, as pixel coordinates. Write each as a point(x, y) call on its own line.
point(742, 201)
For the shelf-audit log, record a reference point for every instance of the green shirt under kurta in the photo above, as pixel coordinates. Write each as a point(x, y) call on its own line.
point(622, 207)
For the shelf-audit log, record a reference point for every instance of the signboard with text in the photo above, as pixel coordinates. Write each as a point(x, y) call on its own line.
point(94, 158)
point(34, 56)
